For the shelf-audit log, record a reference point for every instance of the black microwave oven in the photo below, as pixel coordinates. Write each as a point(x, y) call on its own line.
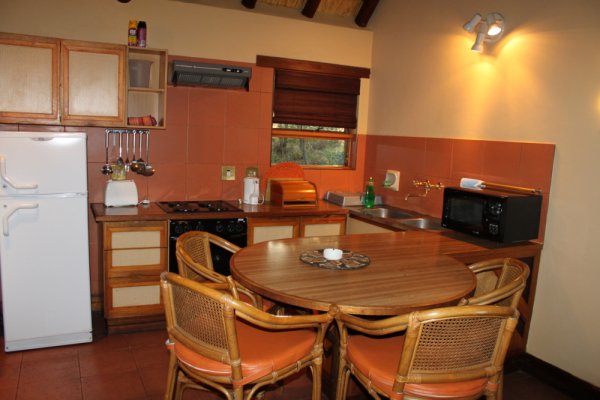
point(494, 215)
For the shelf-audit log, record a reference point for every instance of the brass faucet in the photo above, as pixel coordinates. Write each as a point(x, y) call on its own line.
point(426, 185)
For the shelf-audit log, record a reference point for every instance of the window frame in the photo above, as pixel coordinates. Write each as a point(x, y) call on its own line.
point(333, 70)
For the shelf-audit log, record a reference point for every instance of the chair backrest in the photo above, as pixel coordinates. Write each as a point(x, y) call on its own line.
point(194, 259)
point(500, 281)
point(201, 319)
point(455, 344)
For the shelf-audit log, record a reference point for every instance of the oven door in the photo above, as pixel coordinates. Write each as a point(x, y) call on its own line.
point(234, 230)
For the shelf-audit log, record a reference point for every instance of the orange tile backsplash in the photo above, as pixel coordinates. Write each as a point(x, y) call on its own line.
point(449, 160)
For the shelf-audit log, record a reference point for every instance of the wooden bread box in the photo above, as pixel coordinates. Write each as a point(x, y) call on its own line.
point(293, 193)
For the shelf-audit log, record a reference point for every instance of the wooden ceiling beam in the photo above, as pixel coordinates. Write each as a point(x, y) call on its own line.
point(310, 8)
point(249, 3)
point(365, 12)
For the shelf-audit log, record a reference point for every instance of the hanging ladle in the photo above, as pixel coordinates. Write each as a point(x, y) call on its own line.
point(127, 163)
point(106, 168)
point(120, 161)
point(135, 167)
point(148, 169)
point(140, 161)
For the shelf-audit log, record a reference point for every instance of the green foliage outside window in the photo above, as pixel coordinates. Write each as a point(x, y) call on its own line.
point(309, 151)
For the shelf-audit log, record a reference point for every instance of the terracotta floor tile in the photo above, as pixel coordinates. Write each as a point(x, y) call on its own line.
point(115, 386)
point(8, 389)
point(104, 343)
point(144, 339)
point(51, 389)
point(151, 356)
point(154, 379)
point(50, 370)
point(106, 362)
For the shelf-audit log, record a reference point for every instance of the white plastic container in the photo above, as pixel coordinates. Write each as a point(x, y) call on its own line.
point(139, 73)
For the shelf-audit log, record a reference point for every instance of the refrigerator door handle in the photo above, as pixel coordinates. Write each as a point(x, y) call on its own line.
point(6, 179)
point(11, 211)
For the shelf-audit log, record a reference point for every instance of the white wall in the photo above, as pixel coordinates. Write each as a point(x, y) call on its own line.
point(541, 83)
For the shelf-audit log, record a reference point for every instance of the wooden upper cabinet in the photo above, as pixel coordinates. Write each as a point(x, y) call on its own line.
point(53, 81)
point(93, 83)
point(29, 81)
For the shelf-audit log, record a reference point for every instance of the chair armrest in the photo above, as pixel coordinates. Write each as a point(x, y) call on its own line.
point(281, 322)
point(225, 244)
point(377, 327)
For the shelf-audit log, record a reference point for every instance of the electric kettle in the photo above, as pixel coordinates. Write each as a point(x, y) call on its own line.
point(252, 191)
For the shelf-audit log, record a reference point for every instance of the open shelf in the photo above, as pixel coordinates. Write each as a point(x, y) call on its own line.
point(147, 101)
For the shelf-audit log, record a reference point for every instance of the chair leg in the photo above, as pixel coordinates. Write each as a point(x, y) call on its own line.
point(317, 370)
point(342, 381)
point(171, 377)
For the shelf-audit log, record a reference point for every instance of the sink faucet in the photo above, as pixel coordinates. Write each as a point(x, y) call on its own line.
point(426, 185)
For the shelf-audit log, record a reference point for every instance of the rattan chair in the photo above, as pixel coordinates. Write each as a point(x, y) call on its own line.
point(450, 353)
point(500, 281)
point(194, 261)
point(222, 344)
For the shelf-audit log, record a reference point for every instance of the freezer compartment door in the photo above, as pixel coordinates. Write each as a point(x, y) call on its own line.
point(42, 163)
point(44, 265)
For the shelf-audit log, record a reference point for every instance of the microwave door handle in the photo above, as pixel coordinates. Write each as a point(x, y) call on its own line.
point(9, 181)
point(11, 211)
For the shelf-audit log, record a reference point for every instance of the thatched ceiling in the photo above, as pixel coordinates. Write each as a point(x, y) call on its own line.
point(347, 12)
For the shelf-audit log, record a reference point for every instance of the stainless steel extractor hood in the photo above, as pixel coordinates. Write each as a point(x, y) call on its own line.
point(212, 75)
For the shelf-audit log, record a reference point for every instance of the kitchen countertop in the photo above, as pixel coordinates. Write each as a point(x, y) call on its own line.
point(152, 212)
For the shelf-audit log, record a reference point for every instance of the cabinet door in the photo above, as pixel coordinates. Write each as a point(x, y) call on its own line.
point(357, 226)
point(330, 225)
point(93, 83)
point(265, 229)
point(29, 79)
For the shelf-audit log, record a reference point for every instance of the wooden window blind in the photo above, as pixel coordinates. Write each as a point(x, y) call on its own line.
point(311, 93)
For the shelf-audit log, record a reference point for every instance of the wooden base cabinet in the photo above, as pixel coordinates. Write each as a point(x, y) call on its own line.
point(265, 229)
point(135, 254)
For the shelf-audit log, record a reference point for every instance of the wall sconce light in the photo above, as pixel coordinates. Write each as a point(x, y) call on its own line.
point(489, 29)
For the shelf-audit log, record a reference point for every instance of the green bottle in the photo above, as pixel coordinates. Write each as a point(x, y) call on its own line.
point(369, 198)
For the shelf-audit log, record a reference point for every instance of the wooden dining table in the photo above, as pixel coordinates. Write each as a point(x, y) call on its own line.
point(406, 271)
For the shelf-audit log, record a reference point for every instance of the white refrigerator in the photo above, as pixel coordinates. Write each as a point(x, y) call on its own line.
point(44, 256)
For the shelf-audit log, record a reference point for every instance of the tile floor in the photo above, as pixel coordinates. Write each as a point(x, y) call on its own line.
point(133, 367)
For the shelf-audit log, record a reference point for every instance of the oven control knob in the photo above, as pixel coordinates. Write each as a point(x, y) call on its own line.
point(180, 228)
point(231, 227)
point(239, 227)
point(219, 227)
point(199, 226)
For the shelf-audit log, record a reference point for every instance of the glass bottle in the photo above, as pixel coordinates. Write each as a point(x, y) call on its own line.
point(369, 198)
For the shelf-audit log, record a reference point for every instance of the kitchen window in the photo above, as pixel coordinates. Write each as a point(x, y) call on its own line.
point(314, 112)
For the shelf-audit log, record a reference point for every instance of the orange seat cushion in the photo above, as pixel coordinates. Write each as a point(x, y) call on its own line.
point(378, 359)
point(261, 351)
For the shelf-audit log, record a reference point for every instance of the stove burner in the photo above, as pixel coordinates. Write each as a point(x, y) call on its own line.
point(197, 206)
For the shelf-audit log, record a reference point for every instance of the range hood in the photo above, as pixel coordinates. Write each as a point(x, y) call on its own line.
point(211, 75)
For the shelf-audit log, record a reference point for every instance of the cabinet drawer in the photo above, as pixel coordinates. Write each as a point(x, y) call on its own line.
point(135, 257)
point(135, 235)
point(131, 300)
point(135, 296)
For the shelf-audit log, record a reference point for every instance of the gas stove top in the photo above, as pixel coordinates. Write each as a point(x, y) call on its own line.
point(200, 206)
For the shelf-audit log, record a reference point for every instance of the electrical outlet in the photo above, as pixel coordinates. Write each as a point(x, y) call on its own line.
point(227, 173)
point(252, 171)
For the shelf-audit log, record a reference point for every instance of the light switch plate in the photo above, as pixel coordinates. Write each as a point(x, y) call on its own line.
point(228, 173)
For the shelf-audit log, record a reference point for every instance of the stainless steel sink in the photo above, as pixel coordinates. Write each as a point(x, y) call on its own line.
point(427, 224)
point(385, 212)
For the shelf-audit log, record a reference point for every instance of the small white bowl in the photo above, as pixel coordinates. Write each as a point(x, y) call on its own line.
point(332, 254)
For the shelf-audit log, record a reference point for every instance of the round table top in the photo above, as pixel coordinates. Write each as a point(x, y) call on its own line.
point(403, 275)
